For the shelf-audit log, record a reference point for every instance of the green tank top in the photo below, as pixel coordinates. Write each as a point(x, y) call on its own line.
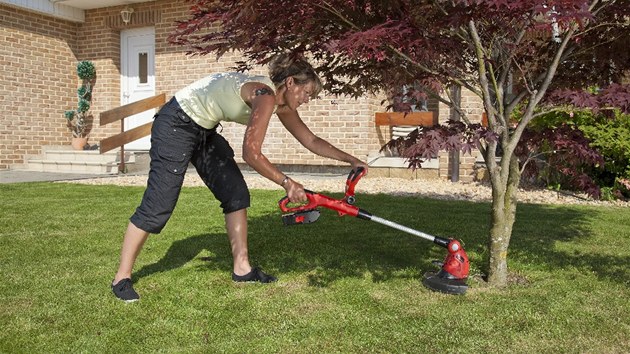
point(217, 98)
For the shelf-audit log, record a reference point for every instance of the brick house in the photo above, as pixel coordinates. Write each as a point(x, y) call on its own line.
point(42, 41)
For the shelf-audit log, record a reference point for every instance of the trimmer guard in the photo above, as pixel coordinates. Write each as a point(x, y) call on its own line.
point(301, 217)
point(444, 283)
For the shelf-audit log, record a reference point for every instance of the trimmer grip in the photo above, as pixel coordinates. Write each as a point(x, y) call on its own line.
point(351, 182)
point(355, 174)
point(312, 203)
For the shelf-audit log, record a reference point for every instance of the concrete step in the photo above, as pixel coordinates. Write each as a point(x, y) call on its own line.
point(141, 163)
point(63, 159)
point(41, 165)
point(85, 155)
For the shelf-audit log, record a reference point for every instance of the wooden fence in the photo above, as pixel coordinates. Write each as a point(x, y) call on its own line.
point(118, 115)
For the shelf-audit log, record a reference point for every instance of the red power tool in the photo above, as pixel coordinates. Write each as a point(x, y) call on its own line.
point(451, 278)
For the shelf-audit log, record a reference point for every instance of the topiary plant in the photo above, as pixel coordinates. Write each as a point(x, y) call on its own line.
point(76, 119)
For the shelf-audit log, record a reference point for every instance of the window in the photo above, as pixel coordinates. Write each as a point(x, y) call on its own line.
point(143, 68)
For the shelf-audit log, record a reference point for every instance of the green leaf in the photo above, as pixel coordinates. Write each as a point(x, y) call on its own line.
point(86, 70)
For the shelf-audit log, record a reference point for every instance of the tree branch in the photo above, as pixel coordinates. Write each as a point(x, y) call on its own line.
point(483, 81)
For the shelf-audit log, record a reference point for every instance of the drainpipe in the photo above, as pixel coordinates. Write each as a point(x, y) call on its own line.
point(456, 99)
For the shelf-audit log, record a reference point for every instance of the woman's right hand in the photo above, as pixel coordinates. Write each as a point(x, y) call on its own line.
point(295, 191)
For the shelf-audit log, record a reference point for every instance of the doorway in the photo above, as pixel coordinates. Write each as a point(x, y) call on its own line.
point(137, 59)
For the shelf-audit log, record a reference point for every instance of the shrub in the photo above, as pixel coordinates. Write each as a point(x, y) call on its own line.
point(76, 119)
point(569, 142)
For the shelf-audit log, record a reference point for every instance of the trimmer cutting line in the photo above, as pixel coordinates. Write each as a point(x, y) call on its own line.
point(451, 278)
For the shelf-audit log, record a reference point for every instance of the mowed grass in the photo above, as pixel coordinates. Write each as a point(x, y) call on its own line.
point(346, 285)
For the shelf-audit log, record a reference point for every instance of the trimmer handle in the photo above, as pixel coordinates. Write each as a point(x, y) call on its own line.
point(316, 200)
point(312, 203)
point(351, 182)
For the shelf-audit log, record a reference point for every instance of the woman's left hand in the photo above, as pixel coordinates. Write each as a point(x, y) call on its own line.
point(359, 164)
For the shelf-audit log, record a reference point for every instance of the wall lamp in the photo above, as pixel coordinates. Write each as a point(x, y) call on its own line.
point(125, 14)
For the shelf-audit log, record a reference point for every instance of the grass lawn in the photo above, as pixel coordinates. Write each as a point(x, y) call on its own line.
point(346, 285)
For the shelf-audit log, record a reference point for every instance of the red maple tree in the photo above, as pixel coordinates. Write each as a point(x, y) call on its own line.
point(521, 57)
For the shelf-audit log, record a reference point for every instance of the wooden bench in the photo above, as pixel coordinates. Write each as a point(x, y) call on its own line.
point(426, 119)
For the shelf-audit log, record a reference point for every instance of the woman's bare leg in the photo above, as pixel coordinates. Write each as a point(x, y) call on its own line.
point(236, 226)
point(132, 244)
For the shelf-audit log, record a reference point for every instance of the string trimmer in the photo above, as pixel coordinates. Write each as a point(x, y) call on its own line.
point(451, 278)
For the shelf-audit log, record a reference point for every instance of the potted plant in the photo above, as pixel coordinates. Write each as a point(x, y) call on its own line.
point(77, 118)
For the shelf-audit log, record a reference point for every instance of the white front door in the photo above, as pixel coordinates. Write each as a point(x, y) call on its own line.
point(137, 59)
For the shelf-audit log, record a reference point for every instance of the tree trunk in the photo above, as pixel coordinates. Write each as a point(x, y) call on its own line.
point(504, 197)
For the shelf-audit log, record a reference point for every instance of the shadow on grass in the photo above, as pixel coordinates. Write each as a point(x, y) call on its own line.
point(325, 255)
point(330, 249)
point(183, 251)
point(334, 248)
point(539, 231)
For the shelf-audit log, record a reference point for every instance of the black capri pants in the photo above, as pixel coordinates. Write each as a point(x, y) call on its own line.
point(176, 141)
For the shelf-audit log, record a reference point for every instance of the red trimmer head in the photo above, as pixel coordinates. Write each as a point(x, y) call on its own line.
point(451, 278)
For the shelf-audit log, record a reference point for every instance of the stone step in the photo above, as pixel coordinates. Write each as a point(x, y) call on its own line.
point(41, 165)
point(85, 156)
point(63, 159)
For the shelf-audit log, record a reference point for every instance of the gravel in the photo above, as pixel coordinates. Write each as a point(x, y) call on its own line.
point(437, 189)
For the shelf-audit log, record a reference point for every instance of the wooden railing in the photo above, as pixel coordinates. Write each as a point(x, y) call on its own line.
point(119, 114)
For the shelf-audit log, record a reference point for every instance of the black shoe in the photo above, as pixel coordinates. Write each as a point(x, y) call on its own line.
point(256, 275)
point(124, 291)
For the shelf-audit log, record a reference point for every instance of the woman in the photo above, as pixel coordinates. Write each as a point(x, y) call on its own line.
point(184, 131)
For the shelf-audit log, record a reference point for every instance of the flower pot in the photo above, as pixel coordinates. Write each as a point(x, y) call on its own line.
point(79, 143)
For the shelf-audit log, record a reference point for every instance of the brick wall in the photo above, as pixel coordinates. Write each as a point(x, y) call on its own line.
point(38, 82)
